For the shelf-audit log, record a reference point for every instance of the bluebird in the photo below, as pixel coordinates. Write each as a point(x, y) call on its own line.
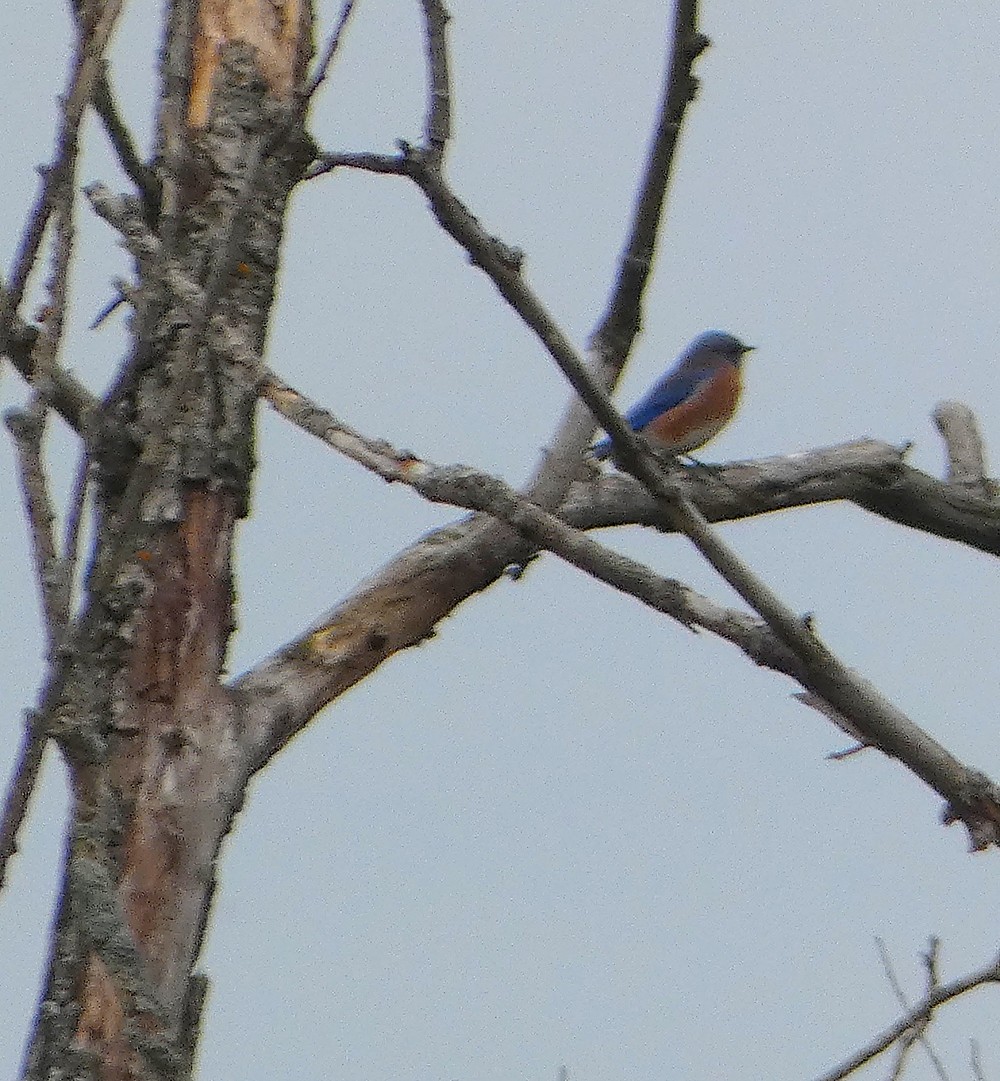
point(693, 401)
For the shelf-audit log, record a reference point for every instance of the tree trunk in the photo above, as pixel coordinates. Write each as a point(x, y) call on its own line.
point(146, 729)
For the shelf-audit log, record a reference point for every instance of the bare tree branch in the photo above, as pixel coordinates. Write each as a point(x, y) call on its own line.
point(918, 1034)
point(919, 1013)
point(366, 161)
point(612, 341)
point(437, 124)
point(19, 790)
point(623, 317)
point(870, 474)
point(330, 51)
point(966, 457)
point(68, 396)
point(970, 796)
point(85, 71)
point(26, 426)
point(123, 144)
point(930, 959)
point(53, 572)
point(47, 345)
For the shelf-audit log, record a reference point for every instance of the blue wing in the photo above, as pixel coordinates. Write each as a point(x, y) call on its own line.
point(675, 387)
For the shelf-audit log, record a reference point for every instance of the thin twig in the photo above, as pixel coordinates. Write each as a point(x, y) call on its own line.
point(976, 1062)
point(22, 784)
point(117, 131)
point(26, 426)
point(612, 340)
point(85, 70)
point(46, 348)
point(919, 1032)
point(332, 45)
point(51, 572)
point(132, 163)
point(930, 959)
point(74, 524)
point(942, 994)
point(623, 317)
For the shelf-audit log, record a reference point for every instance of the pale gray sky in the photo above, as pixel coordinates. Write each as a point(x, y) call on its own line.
point(564, 830)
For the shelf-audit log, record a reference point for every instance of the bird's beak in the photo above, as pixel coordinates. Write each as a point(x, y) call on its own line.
point(749, 348)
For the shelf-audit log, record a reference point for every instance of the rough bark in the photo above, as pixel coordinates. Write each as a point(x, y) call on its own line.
point(147, 729)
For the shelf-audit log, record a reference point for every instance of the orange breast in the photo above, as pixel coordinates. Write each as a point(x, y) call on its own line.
point(701, 417)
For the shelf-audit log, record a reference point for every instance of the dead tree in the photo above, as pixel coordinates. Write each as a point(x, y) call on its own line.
point(159, 744)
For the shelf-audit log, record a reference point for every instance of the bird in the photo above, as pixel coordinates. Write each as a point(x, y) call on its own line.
point(692, 401)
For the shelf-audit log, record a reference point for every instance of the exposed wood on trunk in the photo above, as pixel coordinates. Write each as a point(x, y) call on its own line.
point(271, 27)
point(161, 771)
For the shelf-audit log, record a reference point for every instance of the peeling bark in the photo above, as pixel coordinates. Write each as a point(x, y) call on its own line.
point(150, 735)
